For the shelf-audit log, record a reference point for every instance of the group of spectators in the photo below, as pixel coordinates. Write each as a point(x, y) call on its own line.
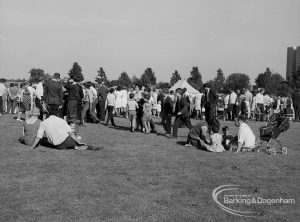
point(72, 104)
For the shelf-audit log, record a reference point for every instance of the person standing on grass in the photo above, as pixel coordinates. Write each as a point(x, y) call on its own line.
point(210, 102)
point(87, 105)
point(2, 91)
point(248, 101)
point(110, 104)
point(102, 96)
point(147, 113)
point(24, 97)
point(259, 99)
point(132, 106)
point(12, 98)
point(182, 113)
point(74, 99)
point(59, 134)
point(167, 112)
point(53, 94)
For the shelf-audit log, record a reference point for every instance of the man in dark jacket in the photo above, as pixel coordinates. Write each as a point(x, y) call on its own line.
point(167, 112)
point(102, 96)
point(182, 113)
point(296, 104)
point(74, 99)
point(53, 94)
point(210, 102)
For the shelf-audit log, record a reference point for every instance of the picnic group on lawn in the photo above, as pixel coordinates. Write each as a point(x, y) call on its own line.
point(54, 111)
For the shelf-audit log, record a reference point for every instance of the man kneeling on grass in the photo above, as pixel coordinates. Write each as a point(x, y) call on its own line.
point(59, 134)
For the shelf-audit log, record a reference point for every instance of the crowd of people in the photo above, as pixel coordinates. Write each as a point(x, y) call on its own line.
point(58, 109)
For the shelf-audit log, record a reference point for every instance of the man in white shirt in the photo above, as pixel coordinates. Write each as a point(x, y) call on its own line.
point(248, 101)
point(232, 101)
point(2, 91)
point(260, 104)
point(59, 134)
point(246, 137)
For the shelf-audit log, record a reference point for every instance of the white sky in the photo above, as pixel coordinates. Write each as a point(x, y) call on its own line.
point(130, 35)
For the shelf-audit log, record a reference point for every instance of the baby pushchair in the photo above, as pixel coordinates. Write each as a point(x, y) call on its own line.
point(269, 134)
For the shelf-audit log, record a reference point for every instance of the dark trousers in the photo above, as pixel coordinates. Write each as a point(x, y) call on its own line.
point(69, 143)
point(101, 110)
point(53, 109)
point(209, 112)
point(11, 105)
point(166, 120)
point(1, 105)
point(297, 113)
point(86, 109)
point(261, 108)
point(178, 121)
point(110, 115)
point(72, 109)
point(79, 109)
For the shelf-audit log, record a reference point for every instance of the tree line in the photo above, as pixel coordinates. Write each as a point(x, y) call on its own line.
point(273, 83)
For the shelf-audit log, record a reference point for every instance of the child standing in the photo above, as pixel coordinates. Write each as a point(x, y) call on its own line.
point(132, 106)
point(110, 104)
point(147, 113)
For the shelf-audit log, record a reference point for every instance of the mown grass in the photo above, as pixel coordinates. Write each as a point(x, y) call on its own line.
point(139, 177)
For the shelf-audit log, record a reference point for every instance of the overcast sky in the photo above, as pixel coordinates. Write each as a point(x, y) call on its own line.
point(131, 35)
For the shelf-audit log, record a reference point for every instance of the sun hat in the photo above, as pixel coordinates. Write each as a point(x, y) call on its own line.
point(35, 112)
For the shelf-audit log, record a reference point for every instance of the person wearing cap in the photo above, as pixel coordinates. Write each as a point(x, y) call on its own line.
point(30, 127)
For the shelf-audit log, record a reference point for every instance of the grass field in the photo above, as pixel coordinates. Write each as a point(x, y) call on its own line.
point(139, 177)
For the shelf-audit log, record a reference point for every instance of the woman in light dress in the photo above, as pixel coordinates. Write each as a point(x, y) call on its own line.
point(124, 98)
point(118, 103)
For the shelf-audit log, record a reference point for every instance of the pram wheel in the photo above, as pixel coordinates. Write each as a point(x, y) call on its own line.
point(273, 151)
point(284, 150)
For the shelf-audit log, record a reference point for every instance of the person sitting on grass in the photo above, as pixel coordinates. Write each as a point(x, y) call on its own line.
point(215, 144)
point(227, 138)
point(59, 134)
point(30, 127)
point(197, 132)
point(245, 137)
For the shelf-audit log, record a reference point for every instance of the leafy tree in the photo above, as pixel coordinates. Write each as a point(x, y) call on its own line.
point(36, 75)
point(136, 81)
point(124, 80)
point(175, 78)
point(76, 73)
point(237, 81)
point(219, 81)
point(196, 79)
point(101, 77)
point(148, 77)
point(163, 85)
point(274, 84)
point(263, 78)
